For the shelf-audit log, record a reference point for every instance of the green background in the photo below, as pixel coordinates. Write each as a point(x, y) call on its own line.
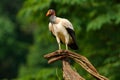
point(25, 38)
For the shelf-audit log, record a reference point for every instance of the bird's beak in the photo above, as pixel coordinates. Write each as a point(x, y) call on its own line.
point(48, 13)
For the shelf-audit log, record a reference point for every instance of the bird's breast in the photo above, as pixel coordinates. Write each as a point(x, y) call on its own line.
point(61, 33)
point(61, 37)
point(59, 28)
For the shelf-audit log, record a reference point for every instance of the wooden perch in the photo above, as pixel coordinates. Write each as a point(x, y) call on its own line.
point(68, 72)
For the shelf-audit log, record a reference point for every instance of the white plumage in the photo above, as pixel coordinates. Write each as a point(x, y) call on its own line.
point(62, 29)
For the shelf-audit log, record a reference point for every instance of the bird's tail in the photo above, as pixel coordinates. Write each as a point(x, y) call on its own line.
point(73, 46)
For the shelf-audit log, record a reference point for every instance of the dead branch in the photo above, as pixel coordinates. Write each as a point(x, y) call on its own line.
point(68, 72)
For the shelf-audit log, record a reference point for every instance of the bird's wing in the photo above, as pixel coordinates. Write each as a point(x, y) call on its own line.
point(67, 24)
point(51, 29)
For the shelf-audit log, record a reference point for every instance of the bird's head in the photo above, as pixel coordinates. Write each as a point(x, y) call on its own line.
point(50, 12)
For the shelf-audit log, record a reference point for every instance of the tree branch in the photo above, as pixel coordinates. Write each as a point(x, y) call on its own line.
point(68, 72)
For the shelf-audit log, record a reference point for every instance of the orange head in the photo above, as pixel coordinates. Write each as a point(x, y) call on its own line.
point(50, 12)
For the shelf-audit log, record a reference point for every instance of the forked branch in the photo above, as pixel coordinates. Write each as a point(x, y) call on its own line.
point(68, 72)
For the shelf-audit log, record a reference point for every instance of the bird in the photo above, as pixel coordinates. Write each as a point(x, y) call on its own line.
point(62, 29)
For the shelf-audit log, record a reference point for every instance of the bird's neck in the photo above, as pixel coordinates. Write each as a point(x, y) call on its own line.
point(53, 19)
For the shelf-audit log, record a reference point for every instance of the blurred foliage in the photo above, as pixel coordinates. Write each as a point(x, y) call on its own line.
point(12, 44)
point(25, 39)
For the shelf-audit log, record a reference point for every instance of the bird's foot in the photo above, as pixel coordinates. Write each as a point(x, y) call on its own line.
point(59, 51)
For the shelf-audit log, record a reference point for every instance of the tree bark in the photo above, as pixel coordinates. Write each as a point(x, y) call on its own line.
point(68, 72)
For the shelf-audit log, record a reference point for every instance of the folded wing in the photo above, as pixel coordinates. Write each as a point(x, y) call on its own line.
point(68, 26)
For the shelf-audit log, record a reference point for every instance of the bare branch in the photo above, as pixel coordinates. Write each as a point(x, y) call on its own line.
point(68, 72)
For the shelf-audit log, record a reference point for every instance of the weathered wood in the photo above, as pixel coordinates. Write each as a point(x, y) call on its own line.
point(68, 72)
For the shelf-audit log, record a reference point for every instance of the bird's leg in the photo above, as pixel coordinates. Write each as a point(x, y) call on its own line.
point(59, 46)
point(66, 42)
point(58, 40)
point(66, 46)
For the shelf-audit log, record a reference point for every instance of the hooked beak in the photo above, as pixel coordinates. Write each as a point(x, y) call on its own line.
point(48, 13)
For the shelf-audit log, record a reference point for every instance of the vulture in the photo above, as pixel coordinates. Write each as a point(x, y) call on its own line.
point(62, 30)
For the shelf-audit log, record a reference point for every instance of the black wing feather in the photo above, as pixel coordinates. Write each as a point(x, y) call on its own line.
point(72, 34)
